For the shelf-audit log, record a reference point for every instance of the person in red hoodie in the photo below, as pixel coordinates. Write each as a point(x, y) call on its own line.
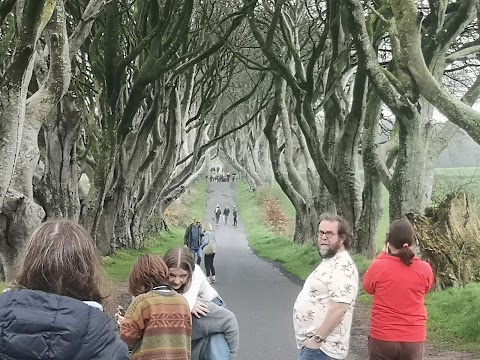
point(398, 282)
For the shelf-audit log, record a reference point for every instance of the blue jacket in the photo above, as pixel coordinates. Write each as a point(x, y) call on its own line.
point(35, 325)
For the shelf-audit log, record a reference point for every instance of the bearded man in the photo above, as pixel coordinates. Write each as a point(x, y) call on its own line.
point(322, 314)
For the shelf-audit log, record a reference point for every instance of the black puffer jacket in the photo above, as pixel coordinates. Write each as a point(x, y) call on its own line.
point(36, 325)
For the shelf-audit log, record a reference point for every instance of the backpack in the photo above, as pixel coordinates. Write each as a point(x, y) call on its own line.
point(211, 247)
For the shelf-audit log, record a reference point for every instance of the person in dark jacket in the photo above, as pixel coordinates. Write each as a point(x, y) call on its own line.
point(226, 212)
point(53, 308)
point(235, 214)
point(193, 240)
point(217, 213)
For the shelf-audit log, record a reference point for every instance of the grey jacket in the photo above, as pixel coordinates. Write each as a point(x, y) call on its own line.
point(218, 320)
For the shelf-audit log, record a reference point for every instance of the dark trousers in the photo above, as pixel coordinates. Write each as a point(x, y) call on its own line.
point(197, 255)
point(391, 350)
point(209, 268)
point(234, 221)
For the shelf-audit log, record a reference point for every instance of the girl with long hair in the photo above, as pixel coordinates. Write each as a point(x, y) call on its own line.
point(398, 281)
point(54, 307)
point(214, 328)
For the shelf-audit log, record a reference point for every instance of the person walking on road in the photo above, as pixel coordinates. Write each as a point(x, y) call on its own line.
point(209, 247)
point(235, 214)
point(322, 314)
point(398, 282)
point(217, 213)
point(226, 212)
point(193, 240)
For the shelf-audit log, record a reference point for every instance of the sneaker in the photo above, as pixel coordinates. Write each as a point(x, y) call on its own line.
point(209, 279)
point(214, 279)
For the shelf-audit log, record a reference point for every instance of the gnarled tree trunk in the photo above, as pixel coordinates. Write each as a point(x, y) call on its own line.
point(449, 239)
point(59, 188)
point(19, 216)
point(372, 185)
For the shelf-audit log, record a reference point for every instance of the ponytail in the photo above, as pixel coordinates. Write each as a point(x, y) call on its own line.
point(406, 254)
point(401, 237)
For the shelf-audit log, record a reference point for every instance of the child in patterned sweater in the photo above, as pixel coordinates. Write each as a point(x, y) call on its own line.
point(157, 324)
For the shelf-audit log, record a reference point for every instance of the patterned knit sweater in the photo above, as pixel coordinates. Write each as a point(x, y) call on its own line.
point(158, 326)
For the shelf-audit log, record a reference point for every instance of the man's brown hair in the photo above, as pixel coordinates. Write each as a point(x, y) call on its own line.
point(147, 272)
point(60, 258)
point(183, 259)
point(343, 227)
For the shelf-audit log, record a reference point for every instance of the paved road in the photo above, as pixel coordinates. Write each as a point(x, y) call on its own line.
point(258, 293)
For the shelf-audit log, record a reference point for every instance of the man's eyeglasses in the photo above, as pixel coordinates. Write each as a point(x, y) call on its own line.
point(328, 234)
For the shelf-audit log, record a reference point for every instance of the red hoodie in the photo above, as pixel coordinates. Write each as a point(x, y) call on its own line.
point(398, 311)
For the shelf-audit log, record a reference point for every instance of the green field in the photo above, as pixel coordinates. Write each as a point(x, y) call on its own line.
point(465, 180)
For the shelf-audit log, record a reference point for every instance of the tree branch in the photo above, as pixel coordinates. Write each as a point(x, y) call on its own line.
point(82, 30)
point(405, 12)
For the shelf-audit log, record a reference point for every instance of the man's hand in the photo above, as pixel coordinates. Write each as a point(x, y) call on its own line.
point(312, 344)
point(200, 309)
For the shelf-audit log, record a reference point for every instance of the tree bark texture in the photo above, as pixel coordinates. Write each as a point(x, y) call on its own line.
point(19, 216)
point(14, 86)
point(449, 240)
point(58, 189)
point(372, 185)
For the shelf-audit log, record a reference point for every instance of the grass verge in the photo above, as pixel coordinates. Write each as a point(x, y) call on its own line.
point(197, 200)
point(454, 318)
point(297, 259)
point(119, 264)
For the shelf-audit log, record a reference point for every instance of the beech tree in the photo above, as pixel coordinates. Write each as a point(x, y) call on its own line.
point(421, 53)
point(307, 46)
point(36, 74)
